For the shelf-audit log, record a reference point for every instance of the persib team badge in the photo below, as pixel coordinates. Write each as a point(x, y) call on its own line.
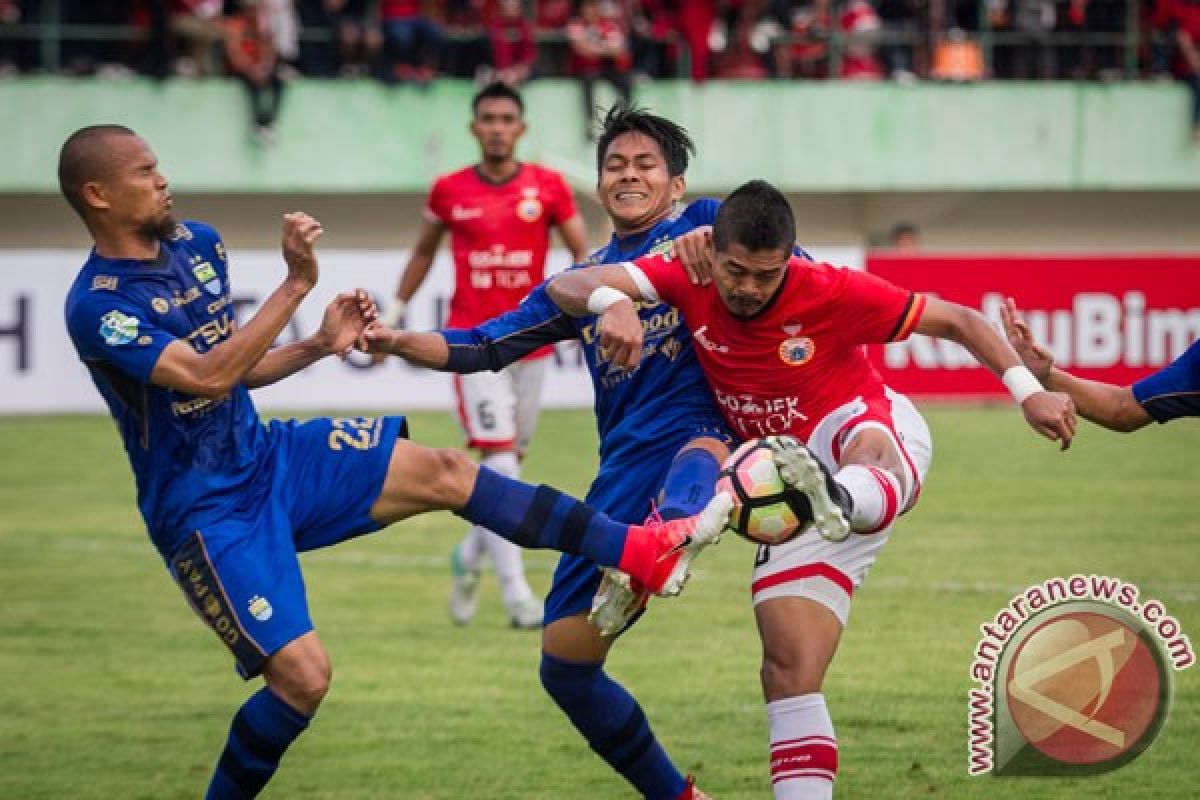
point(260, 608)
point(529, 208)
point(207, 276)
point(797, 350)
point(118, 329)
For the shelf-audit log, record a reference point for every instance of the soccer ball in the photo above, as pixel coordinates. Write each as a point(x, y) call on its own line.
point(765, 510)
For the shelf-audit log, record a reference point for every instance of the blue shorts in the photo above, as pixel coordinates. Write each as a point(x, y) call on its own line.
point(316, 487)
point(623, 489)
point(1173, 391)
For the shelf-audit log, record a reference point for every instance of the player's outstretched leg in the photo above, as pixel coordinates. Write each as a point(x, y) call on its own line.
point(421, 479)
point(831, 504)
point(687, 489)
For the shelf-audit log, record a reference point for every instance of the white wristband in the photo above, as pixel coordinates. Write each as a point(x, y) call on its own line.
point(599, 300)
point(394, 314)
point(1021, 383)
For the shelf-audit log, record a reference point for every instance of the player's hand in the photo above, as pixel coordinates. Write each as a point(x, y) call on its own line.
point(345, 320)
point(378, 340)
point(1035, 357)
point(620, 330)
point(300, 234)
point(1052, 414)
point(695, 252)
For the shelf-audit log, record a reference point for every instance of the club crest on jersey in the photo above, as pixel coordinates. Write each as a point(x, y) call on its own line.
point(664, 248)
point(118, 329)
point(260, 608)
point(207, 276)
point(797, 350)
point(529, 208)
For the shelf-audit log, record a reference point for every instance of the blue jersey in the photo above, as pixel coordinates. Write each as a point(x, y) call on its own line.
point(659, 400)
point(1173, 391)
point(192, 457)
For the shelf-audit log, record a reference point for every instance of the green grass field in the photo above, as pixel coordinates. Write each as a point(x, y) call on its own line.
point(110, 688)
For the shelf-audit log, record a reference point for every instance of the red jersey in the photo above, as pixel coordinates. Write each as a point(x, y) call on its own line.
point(784, 369)
point(499, 234)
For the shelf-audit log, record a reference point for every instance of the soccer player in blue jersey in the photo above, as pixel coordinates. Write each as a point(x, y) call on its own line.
point(228, 501)
point(658, 427)
point(1170, 393)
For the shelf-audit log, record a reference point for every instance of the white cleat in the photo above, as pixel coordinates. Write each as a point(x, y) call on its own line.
point(802, 471)
point(618, 599)
point(525, 615)
point(464, 591)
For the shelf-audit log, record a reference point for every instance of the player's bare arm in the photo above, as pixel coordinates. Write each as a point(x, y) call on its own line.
point(1052, 414)
point(214, 373)
point(1105, 404)
point(342, 327)
point(423, 349)
point(574, 236)
point(694, 250)
point(419, 261)
point(610, 292)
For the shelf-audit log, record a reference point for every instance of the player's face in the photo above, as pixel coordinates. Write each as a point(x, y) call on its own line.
point(498, 125)
point(747, 279)
point(134, 192)
point(635, 187)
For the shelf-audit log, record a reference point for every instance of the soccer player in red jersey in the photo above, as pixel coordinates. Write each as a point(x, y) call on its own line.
point(780, 340)
point(499, 213)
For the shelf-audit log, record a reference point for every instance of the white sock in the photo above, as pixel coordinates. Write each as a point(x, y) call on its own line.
point(506, 556)
point(878, 497)
point(803, 748)
point(470, 549)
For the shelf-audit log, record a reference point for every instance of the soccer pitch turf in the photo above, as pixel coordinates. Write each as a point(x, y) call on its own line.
point(110, 688)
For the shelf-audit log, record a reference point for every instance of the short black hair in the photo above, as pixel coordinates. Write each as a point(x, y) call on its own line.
point(756, 216)
point(672, 139)
point(903, 229)
point(83, 158)
point(497, 89)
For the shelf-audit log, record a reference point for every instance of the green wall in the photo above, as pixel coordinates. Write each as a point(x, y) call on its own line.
point(357, 136)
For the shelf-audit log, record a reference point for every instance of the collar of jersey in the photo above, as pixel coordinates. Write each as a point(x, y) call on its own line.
point(485, 179)
point(160, 264)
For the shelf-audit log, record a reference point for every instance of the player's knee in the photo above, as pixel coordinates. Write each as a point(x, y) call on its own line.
point(790, 672)
point(566, 681)
point(449, 478)
point(303, 683)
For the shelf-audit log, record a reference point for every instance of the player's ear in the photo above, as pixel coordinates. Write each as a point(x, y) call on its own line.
point(94, 195)
point(678, 187)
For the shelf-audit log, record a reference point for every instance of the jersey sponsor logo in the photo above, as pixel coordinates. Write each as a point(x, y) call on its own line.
point(753, 416)
point(216, 305)
point(796, 351)
point(160, 305)
point(260, 608)
point(118, 329)
point(458, 213)
point(219, 249)
point(207, 276)
point(212, 331)
point(106, 282)
point(498, 257)
point(529, 208)
point(196, 404)
point(701, 336)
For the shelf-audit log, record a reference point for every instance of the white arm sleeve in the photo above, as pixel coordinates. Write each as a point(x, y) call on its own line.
point(643, 284)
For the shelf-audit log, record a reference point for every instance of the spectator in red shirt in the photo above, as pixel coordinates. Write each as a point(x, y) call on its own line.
point(599, 49)
point(250, 51)
point(513, 46)
point(1180, 20)
point(413, 42)
point(695, 21)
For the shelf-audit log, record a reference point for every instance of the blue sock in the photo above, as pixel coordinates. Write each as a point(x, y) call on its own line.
point(613, 724)
point(261, 731)
point(543, 518)
point(689, 483)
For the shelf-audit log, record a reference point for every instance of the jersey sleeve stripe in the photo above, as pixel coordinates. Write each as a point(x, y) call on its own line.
point(913, 310)
point(644, 286)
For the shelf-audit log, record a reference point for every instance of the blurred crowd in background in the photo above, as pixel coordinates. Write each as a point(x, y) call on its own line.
point(264, 42)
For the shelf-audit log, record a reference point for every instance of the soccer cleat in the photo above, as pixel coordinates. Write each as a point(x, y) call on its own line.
point(525, 615)
point(672, 546)
point(691, 792)
point(802, 471)
point(464, 591)
point(617, 601)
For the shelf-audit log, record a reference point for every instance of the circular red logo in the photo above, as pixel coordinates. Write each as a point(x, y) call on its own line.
point(1084, 688)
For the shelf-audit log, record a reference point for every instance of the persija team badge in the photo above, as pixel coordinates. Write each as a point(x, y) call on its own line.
point(796, 350)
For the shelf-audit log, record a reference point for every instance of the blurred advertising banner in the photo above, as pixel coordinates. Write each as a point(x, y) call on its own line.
point(39, 371)
point(1114, 318)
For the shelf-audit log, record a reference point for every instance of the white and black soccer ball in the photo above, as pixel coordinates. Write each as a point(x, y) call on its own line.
point(765, 509)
